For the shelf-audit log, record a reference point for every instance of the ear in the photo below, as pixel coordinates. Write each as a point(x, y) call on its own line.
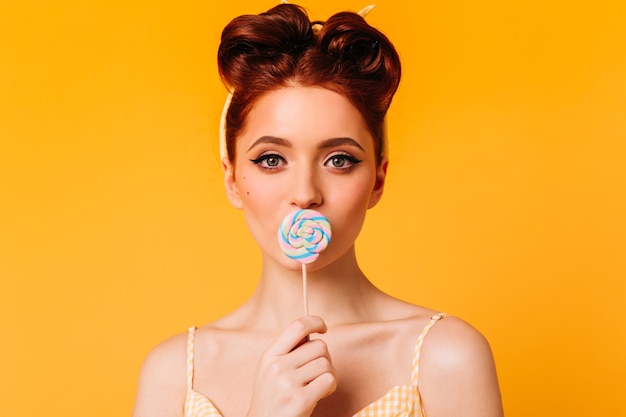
point(379, 185)
point(232, 190)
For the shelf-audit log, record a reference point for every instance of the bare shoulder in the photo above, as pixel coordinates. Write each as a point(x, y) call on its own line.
point(163, 379)
point(457, 372)
point(455, 342)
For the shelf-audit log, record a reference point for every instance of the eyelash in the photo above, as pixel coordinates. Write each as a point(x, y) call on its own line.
point(261, 161)
point(352, 161)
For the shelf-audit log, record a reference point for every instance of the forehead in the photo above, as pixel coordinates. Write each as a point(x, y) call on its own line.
point(307, 113)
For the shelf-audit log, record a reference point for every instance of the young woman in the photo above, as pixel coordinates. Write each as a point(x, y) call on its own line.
point(304, 130)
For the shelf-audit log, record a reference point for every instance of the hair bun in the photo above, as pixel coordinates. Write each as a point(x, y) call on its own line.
point(346, 38)
point(252, 43)
point(360, 50)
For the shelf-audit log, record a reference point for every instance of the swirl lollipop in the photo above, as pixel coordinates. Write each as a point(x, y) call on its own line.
point(303, 235)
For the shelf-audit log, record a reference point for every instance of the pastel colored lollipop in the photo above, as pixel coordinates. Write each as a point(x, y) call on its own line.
point(303, 235)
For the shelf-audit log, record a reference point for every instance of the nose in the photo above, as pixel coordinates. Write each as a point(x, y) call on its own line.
point(305, 190)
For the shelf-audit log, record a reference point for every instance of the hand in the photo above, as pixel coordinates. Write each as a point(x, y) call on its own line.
point(292, 375)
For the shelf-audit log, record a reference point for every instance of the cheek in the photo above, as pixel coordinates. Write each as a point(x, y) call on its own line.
point(350, 204)
point(244, 185)
point(355, 194)
point(252, 190)
point(257, 207)
point(259, 198)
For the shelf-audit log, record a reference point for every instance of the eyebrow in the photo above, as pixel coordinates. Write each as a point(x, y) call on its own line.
point(331, 143)
point(328, 143)
point(270, 139)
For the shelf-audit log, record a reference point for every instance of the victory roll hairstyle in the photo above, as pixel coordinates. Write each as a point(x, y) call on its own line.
point(282, 47)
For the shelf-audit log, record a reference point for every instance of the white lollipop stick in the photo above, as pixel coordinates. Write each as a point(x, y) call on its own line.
point(304, 290)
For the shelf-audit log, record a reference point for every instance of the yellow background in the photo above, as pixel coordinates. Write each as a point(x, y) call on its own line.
point(505, 202)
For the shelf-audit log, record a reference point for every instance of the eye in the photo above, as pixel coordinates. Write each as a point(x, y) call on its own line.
point(269, 161)
point(342, 161)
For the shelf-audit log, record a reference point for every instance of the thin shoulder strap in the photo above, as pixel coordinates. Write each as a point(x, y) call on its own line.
point(418, 346)
point(190, 335)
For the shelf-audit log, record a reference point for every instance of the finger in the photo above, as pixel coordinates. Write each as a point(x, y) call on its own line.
point(306, 339)
point(295, 332)
point(322, 386)
point(312, 370)
point(308, 352)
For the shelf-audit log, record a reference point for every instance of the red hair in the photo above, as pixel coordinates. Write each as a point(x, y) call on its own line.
point(279, 48)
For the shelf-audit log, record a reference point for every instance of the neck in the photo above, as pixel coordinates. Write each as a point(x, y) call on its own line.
point(337, 293)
